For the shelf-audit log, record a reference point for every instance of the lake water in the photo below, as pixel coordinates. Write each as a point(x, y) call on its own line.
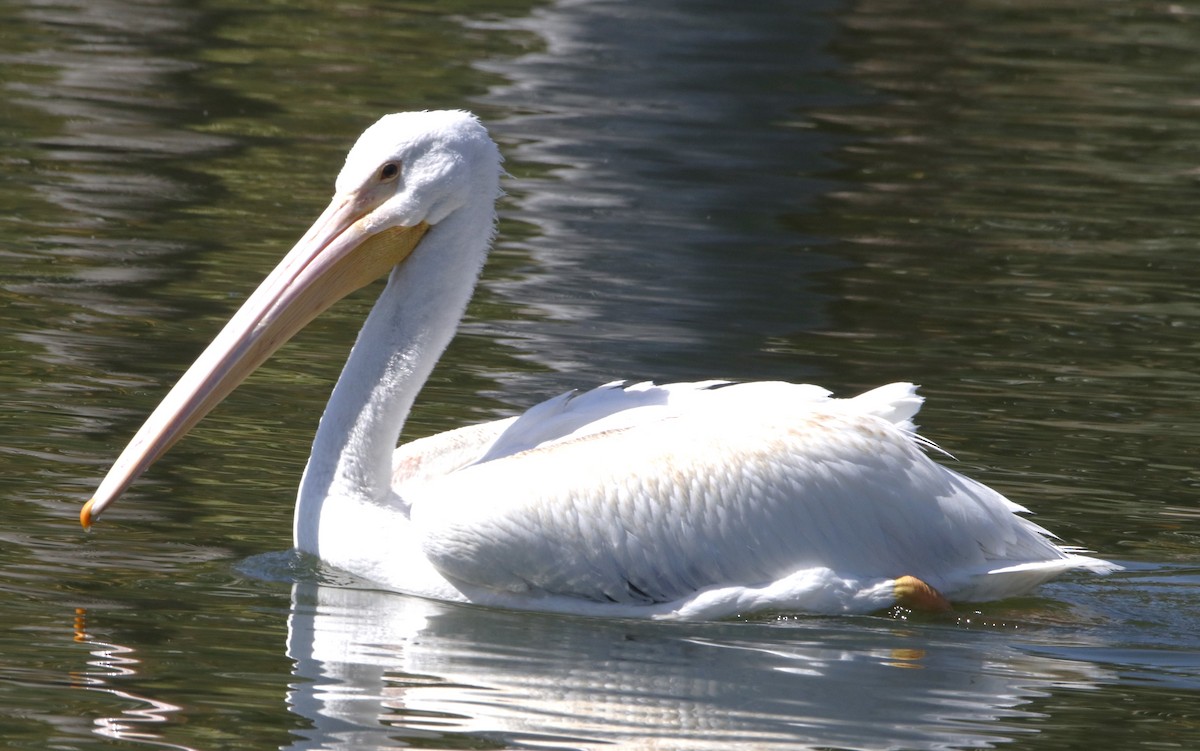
point(996, 200)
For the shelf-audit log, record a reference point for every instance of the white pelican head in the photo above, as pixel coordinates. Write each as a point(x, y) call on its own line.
point(408, 174)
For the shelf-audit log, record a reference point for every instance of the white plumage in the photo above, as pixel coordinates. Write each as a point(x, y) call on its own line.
point(684, 500)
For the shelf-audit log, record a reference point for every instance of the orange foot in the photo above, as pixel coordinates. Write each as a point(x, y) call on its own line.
point(913, 593)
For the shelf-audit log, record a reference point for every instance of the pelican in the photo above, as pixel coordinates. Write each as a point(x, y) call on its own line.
point(686, 500)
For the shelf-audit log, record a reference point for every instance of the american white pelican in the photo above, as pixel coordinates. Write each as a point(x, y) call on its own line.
point(686, 500)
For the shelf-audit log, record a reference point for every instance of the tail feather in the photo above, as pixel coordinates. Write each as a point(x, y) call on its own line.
point(1019, 579)
point(897, 403)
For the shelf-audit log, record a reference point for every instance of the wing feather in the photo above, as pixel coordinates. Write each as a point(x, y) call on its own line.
point(653, 510)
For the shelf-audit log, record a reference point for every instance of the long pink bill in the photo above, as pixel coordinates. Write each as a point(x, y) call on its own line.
point(338, 255)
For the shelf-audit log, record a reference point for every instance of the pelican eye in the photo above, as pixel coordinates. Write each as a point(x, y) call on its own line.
point(389, 171)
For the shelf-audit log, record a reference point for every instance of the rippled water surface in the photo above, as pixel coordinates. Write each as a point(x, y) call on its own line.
point(997, 201)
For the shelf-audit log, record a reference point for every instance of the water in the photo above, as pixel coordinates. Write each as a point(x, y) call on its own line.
point(995, 201)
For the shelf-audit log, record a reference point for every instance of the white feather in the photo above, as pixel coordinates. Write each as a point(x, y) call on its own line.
point(750, 492)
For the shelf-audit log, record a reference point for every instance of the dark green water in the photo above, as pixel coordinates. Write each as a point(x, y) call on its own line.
point(995, 200)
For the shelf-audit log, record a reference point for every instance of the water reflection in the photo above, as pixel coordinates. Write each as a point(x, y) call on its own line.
point(378, 670)
point(110, 661)
point(655, 185)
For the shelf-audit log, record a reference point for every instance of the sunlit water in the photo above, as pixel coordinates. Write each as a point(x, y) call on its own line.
point(997, 202)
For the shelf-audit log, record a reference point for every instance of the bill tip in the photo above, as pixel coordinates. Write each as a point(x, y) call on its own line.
point(85, 514)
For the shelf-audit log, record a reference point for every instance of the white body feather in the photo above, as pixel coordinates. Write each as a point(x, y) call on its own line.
point(687, 500)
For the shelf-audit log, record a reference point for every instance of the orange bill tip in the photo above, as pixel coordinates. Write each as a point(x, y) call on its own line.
point(85, 514)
